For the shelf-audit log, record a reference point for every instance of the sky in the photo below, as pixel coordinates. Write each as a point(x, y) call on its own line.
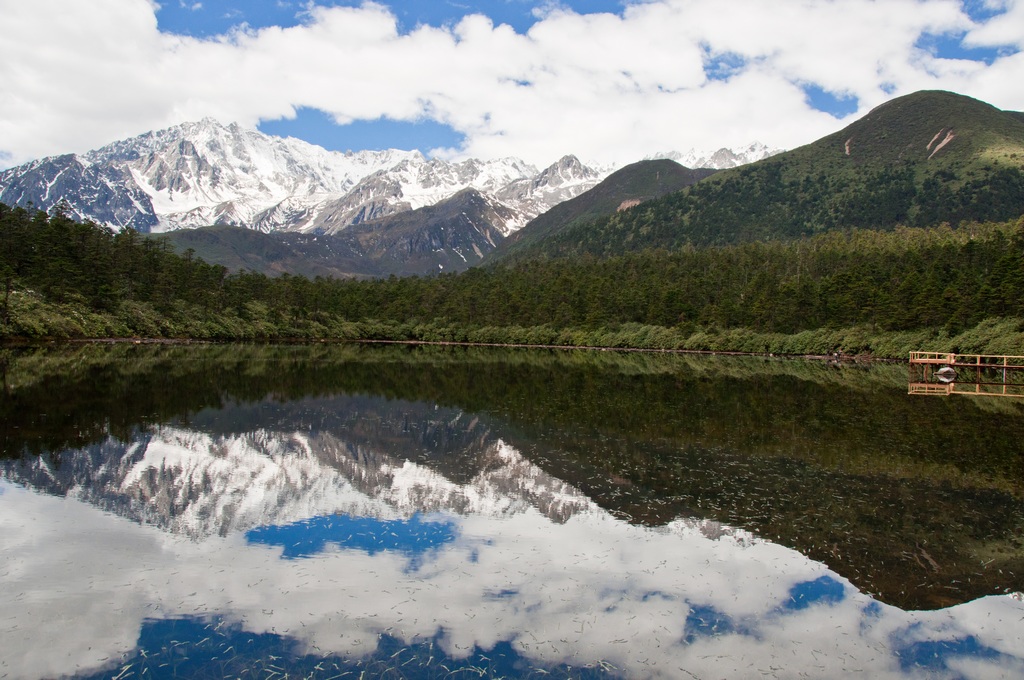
point(611, 81)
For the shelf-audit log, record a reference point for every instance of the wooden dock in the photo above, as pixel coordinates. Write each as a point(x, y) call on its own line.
point(946, 373)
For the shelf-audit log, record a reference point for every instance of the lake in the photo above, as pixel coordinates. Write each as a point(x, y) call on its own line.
point(336, 511)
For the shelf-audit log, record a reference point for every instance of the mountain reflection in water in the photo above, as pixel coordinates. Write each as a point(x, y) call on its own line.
point(331, 527)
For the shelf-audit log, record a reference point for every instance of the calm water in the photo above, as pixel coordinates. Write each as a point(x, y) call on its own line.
point(424, 513)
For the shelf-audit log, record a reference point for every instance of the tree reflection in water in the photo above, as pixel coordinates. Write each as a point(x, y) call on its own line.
point(344, 502)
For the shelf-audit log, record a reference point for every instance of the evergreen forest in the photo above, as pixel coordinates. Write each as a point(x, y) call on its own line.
point(851, 291)
point(769, 201)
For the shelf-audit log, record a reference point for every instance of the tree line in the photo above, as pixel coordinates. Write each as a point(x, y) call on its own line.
point(63, 278)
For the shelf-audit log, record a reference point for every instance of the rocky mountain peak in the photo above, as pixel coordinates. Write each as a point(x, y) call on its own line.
point(567, 170)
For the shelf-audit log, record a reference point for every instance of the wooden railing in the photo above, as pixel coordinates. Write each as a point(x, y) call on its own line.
point(968, 360)
point(930, 388)
point(932, 357)
point(996, 375)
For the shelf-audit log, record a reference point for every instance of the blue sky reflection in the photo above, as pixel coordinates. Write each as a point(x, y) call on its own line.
point(412, 537)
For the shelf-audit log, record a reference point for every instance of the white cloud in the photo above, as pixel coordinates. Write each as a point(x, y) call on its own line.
point(607, 87)
point(1005, 29)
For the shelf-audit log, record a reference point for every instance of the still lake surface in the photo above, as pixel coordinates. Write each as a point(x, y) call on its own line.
point(344, 511)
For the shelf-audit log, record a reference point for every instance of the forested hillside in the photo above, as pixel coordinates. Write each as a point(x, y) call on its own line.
point(628, 186)
point(919, 160)
point(859, 291)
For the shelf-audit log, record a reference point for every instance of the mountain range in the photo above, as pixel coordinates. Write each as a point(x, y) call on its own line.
point(398, 211)
point(449, 236)
point(205, 173)
point(282, 205)
point(368, 457)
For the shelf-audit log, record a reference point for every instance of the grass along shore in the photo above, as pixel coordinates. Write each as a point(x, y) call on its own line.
point(29, 318)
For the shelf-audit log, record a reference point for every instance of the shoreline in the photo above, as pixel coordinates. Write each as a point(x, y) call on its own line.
point(834, 358)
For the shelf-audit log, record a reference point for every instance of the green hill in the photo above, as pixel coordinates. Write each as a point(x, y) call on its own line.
point(933, 131)
point(631, 185)
point(918, 160)
point(238, 248)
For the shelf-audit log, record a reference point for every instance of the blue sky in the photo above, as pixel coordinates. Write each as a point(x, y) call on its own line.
point(611, 81)
point(211, 17)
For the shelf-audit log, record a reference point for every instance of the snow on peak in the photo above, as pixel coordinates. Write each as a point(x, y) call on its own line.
point(207, 172)
point(720, 159)
point(197, 484)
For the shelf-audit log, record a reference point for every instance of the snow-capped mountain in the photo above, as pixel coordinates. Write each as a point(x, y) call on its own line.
point(106, 194)
point(195, 484)
point(416, 182)
point(721, 159)
point(204, 173)
point(202, 484)
point(566, 179)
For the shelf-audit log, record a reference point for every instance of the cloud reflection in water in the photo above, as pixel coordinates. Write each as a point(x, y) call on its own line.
point(592, 592)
